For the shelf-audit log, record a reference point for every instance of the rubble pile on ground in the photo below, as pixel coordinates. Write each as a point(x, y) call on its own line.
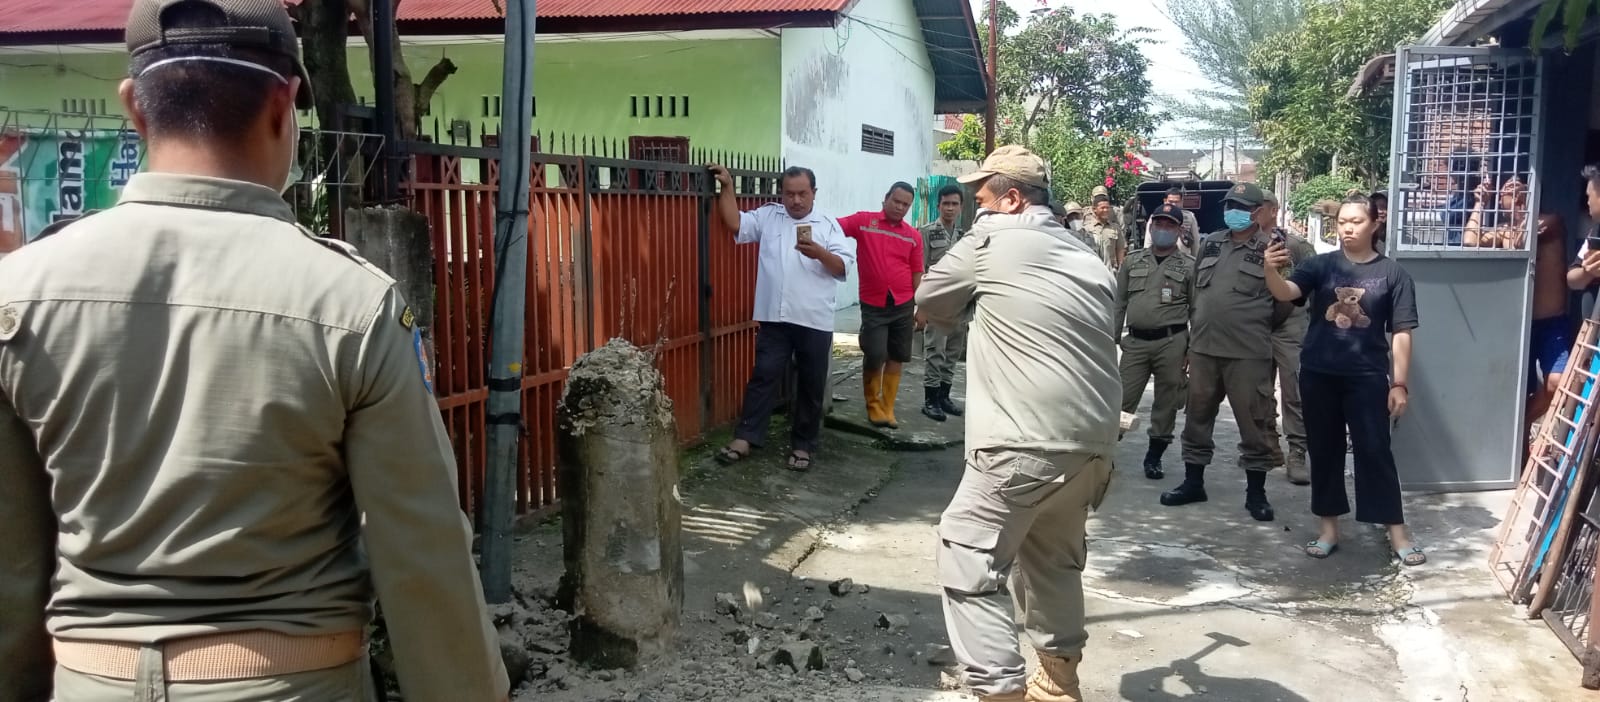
point(757, 645)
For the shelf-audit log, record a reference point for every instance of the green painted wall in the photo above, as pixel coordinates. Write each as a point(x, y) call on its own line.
point(733, 87)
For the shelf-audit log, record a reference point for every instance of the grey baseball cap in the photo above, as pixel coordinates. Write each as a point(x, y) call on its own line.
point(261, 25)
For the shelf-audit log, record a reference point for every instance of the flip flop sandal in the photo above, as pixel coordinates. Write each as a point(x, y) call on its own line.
point(799, 463)
point(1326, 549)
point(1412, 556)
point(728, 456)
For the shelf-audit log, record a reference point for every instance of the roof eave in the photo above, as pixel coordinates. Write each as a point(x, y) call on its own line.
point(479, 26)
point(1468, 21)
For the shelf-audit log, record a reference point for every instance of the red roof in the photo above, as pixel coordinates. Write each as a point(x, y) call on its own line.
point(102, 16)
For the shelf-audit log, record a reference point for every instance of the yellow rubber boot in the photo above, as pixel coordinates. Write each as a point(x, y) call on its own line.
point(1055, 680)
point(891, 394)
point(872, 384)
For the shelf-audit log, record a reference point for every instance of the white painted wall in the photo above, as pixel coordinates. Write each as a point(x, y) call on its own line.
point(872, 69)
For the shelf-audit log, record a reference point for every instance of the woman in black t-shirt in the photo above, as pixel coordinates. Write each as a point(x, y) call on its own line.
point(1351, 374)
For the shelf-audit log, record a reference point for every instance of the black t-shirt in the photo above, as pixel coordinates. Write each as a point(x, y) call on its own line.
point(1354, 308)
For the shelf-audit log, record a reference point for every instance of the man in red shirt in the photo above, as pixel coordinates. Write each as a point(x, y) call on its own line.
point(889, 261)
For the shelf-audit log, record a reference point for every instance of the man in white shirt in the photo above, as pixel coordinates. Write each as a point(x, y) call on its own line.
point(804, 257)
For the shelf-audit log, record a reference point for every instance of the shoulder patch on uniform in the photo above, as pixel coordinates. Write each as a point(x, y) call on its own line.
point(61, 224)
point(424, 363)
point(408, 319)
point(10, 322)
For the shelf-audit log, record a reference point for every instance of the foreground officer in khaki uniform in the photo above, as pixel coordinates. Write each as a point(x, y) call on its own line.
point(1230, 352)
point(1289, 323)
point(1153, 293)
point(942, 348)
point(1042, 425)
point(215, 429)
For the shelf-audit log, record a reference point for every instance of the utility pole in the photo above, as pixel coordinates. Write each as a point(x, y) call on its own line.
point(509, 307)
point(383, 32)
point(994, 53)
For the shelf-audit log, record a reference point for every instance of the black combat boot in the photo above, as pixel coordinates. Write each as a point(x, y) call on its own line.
point(1152, 459)
point(1191, 491)
point(949, 406)
point(930, 404)
point(1255, 496)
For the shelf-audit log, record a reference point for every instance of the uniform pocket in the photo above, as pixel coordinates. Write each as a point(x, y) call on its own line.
point(1178, 280)
point(1252, 280)
point(1026, 480)
point(1205, 272)
point(966, 557)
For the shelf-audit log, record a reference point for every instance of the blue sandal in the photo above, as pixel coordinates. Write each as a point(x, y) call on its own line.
point(1412, 556)
point(1326, 549)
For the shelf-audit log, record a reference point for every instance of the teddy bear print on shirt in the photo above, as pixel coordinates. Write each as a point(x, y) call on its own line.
point(1345, 312)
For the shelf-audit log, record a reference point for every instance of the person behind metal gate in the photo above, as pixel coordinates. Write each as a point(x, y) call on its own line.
point(1230, 351)
point(1352, 375)
point(216, 430)
point(1042, 425)
point(1288, 330)
point(1153, 293)
point(804, 256)
point(889, 255)
point(941, 348)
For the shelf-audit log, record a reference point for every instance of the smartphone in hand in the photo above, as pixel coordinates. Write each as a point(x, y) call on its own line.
point(802, 233)
point(1593, 243)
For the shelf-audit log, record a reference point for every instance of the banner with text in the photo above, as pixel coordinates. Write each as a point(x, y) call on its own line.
point(51, 175)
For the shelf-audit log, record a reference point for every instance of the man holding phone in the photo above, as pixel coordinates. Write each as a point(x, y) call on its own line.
point(803, 259)
point(891, 267)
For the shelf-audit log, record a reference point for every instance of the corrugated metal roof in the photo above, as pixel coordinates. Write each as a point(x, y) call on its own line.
point(22, 16)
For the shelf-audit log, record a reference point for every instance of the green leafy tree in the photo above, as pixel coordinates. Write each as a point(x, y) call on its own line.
point(1220, 34)
point(1315, 190)
point(1301, 79)
point(1075, 88)
point(1573, 13)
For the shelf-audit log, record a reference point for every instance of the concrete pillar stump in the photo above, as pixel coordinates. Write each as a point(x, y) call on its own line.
point(621, 516)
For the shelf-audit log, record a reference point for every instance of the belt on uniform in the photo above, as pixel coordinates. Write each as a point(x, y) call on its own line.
point(238, 655)
point(1157, 334)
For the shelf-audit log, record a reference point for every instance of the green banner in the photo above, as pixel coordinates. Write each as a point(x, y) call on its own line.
point(51, 175)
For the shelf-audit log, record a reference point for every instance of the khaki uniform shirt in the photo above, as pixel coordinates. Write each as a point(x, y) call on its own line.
point(936, 240)
point(1042, 365)
point(228, 420)
point(1107, 237)
point(1154, 294)
point(1232, 307)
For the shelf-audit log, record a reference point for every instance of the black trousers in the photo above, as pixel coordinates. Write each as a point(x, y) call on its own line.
point(1331, 403)
point(776, 344)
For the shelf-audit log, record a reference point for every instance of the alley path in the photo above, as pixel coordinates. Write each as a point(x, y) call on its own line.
point(1197, 602)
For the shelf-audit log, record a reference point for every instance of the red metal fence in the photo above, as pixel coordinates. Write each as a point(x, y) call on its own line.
point(618, 248)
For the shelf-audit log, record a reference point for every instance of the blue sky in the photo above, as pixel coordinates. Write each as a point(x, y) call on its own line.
point(1170, 73)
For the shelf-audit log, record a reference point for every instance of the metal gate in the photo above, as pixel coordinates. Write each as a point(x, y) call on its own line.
point(1465, 134)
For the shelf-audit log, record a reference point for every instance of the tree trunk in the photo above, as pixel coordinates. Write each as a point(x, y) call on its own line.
point(324, 35)
point(410, 99)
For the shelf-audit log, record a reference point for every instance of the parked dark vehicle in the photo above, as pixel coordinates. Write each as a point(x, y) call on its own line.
point(1202, 197)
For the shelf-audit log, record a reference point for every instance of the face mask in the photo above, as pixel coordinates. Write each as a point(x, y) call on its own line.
point(1237, 220)
point(295, 172)
point(1163, 238)
point(1075, 224)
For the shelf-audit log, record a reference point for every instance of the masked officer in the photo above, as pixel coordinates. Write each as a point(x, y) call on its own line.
point(942, 348)
point(1288, 330)
point(1153, 293)
point(1230, 351)
point(217, 440)
point(1042, 423)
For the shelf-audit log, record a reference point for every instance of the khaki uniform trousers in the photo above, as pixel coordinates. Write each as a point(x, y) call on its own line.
point(1211, 379)
point(1163, 360)
point(941, 350)
point(1286, 359)
point(351, 682)
point(1014, 535)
